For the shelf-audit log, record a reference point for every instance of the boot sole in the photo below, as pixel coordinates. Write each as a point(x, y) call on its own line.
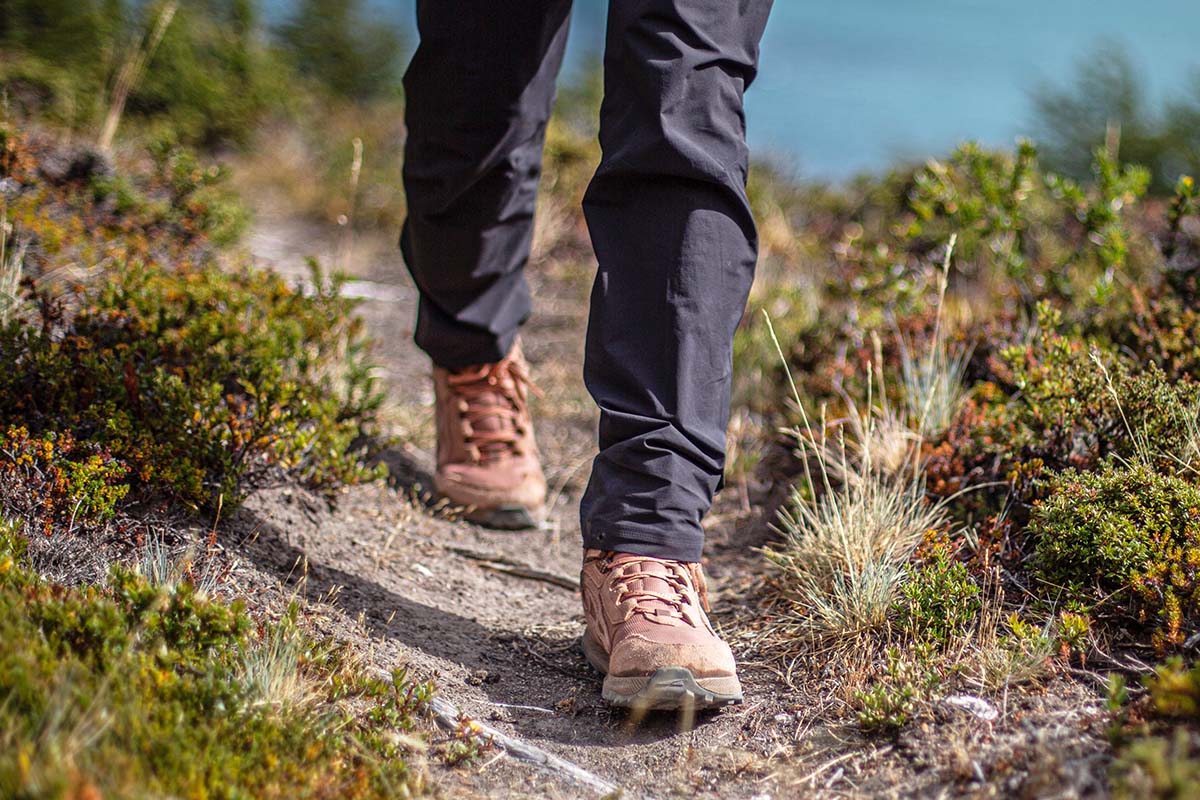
point(504, 518)
point(668, 689)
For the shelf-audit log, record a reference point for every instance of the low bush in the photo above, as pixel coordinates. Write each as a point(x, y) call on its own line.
point(1158, 768)
point(1075, 404)
point(189, 372)
point(51, 483)
point(200, 381)
point(940, 600)
point(1065, 474)
point(1126, 539)
point(1158, 748)
point(866, 259)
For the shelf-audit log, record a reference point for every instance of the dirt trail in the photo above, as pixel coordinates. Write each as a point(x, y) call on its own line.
point(410, 586)
point(503, 648)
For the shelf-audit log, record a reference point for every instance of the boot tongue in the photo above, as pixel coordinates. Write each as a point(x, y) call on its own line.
point(494, 422)
point(648, 580)
point(484, 398)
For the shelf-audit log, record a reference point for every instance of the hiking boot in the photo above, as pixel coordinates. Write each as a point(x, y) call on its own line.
point(648, 633)
point(487, 460)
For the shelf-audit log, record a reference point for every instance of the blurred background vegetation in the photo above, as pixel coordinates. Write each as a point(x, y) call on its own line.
point(1107, 103)
point(219, 71)
point(296, 83)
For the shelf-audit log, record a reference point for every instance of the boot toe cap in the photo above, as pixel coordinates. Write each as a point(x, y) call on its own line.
point(638, 655)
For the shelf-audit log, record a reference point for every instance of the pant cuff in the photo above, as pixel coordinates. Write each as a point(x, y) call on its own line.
point(656, 542)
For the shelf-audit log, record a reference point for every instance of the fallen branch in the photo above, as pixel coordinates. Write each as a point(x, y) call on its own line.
point(510, 566)
point(447, 715)
point(520, 571)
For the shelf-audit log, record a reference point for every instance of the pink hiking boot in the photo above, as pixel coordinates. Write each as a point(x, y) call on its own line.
point(648, 633)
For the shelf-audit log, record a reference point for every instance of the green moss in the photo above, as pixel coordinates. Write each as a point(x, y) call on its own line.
point(1128, 537)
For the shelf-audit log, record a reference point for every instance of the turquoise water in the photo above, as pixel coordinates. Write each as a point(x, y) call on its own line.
point(853, 85)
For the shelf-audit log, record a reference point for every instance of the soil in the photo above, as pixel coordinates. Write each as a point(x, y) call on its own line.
point(413, 587)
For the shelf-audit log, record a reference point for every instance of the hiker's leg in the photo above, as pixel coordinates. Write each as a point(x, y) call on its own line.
point(478, 93)
point(676, 244)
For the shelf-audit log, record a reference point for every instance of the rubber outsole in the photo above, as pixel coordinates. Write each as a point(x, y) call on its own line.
point(668, 689)
point(504, 518)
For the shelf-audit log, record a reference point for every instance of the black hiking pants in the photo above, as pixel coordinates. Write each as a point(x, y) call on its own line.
point(666, 210)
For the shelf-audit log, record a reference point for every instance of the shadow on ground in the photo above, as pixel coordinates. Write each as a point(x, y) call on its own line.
point(537, 680)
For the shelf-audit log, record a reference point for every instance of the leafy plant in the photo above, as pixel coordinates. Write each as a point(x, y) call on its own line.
point(896, 697)
point(50, 482)
point(1127, 537)
point(940, 599)
point(1158, 752)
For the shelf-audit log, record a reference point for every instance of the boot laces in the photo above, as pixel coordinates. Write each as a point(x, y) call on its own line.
point(493, 408)
point(656, 594)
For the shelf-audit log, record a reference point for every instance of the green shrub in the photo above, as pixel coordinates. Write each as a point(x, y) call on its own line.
point(1076, 404)
point(210, 81)
point(1124, 536)
point(201, 381)
point(1158, 755)
point(336, 44)
point(73, 209)
point(196, 198)
point(194, 373)
point(1175, 690)
point(1073, 631)
point(136, 690)
point(50, 482)
point(941, 602)
point(1108, 103)
point(1023, 236)
point(1158, 767)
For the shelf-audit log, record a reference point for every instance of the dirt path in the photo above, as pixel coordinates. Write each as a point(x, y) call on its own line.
point(504, 648)
point(417, 589)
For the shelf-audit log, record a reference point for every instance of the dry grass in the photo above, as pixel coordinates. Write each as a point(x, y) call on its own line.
point(933, 381)
point(852, 525)
point(850, 530)
point(131, 74)
point(272, 670)
point(12, 261)
point(340, 165)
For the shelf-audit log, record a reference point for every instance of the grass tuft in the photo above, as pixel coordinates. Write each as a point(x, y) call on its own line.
point(934, 381)
point(272, 671)
point(12, 262)
point(851, 527)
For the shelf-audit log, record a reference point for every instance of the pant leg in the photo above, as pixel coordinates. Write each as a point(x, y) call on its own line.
point(676, 245)
point(479, 91)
